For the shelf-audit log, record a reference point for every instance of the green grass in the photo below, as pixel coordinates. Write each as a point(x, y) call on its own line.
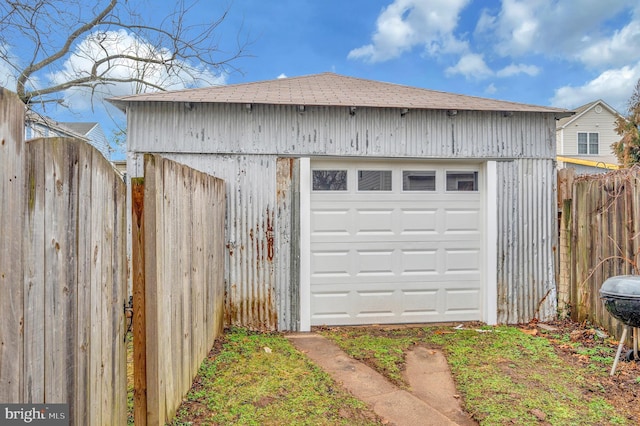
point(503, 375)
point(245, 384)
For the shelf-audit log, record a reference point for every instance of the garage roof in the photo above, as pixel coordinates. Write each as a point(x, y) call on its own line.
point(330, 89)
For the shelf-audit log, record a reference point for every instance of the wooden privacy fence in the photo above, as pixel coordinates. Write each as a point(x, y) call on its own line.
point(178, 281)
point(62, 274)
point(599, 239)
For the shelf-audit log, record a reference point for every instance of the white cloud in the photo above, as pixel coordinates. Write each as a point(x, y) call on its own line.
point(491, 89)
point(623, 46)
point(614, 86)
point(174, 75)
point(8, 72)
point(471, 65)
point(282, 75)
point(405, 24)
point(574, 30)
point(515, 69)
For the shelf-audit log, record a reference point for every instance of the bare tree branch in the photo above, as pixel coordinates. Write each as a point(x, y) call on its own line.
point(58, 45)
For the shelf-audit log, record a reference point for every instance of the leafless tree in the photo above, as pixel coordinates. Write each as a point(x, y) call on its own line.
point(109, 46)
point(627, 149)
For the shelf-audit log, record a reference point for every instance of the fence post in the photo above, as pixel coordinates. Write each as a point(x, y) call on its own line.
point(564, 275)
point(139, 321)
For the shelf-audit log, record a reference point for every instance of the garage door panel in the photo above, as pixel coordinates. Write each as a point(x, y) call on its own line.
point(331, 263)
point(374, 221)
point(375, 262)
point(414, 221)
point(415, 262)
point(420, 301)
point(462, 300)
point(461, 220)
point(331, 306)
point(461, 260)
point(331, 222)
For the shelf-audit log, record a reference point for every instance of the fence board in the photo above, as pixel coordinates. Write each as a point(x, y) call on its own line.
point(183, 217)
point(12, 185)
point(83, 366)
point(152, 276)
point(34, 324)
point(139, 302)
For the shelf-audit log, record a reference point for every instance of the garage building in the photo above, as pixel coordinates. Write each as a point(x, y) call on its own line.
point(352, 201)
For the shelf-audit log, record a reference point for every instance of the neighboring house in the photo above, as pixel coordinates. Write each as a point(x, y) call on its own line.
point(93, 132)
point(39, 126)
point(584, 139)
point(352, 201)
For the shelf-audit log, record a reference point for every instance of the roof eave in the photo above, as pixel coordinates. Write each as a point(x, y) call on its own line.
point(123, 102)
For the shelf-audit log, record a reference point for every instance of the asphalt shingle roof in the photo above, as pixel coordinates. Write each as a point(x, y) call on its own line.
point(330, 89)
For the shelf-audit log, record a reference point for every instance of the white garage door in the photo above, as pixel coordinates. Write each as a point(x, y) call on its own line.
point(395, 243)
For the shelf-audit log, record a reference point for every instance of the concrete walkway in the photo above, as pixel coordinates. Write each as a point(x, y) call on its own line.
point(430, 401)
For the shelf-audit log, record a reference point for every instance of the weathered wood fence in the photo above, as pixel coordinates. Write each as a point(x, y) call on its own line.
point(62, 274)
point(178, 256)
point(599, 227)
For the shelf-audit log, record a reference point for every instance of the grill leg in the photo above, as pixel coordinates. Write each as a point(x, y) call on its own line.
point(615, 361)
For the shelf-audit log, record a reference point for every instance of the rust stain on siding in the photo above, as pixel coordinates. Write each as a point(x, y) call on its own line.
point(270, 237)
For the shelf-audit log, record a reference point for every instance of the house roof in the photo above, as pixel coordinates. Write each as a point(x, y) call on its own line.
point(581, 110)
point(330, 89)
point(79, 127)
point(60, 128)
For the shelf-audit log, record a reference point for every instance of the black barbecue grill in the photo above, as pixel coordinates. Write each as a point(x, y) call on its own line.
point(621, 297)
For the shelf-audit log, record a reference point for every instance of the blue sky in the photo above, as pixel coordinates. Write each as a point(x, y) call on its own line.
point(560, 53)
point(545, 52)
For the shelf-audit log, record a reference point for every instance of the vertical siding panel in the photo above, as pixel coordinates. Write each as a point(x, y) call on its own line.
point(526, 280)
point(286, 269)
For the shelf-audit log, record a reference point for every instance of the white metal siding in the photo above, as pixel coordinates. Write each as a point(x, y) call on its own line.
point(527, 229)
point(375, 132)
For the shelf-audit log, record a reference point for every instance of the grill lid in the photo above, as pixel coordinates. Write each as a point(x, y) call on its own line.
point(627, 286)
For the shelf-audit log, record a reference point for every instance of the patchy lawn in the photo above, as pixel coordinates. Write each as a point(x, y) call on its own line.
point(514, 375)
point(260, 379)
point(505, 376)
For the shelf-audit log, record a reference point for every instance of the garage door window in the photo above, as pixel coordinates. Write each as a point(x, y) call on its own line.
point(418, 180)
point(374, 180)
point(329, 180)
point(462, 181)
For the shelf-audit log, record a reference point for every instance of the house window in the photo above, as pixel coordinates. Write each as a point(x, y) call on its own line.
point(587, 143)
point(374, 180)
point(418, 180)
point(329, 180)
point(462, 181)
